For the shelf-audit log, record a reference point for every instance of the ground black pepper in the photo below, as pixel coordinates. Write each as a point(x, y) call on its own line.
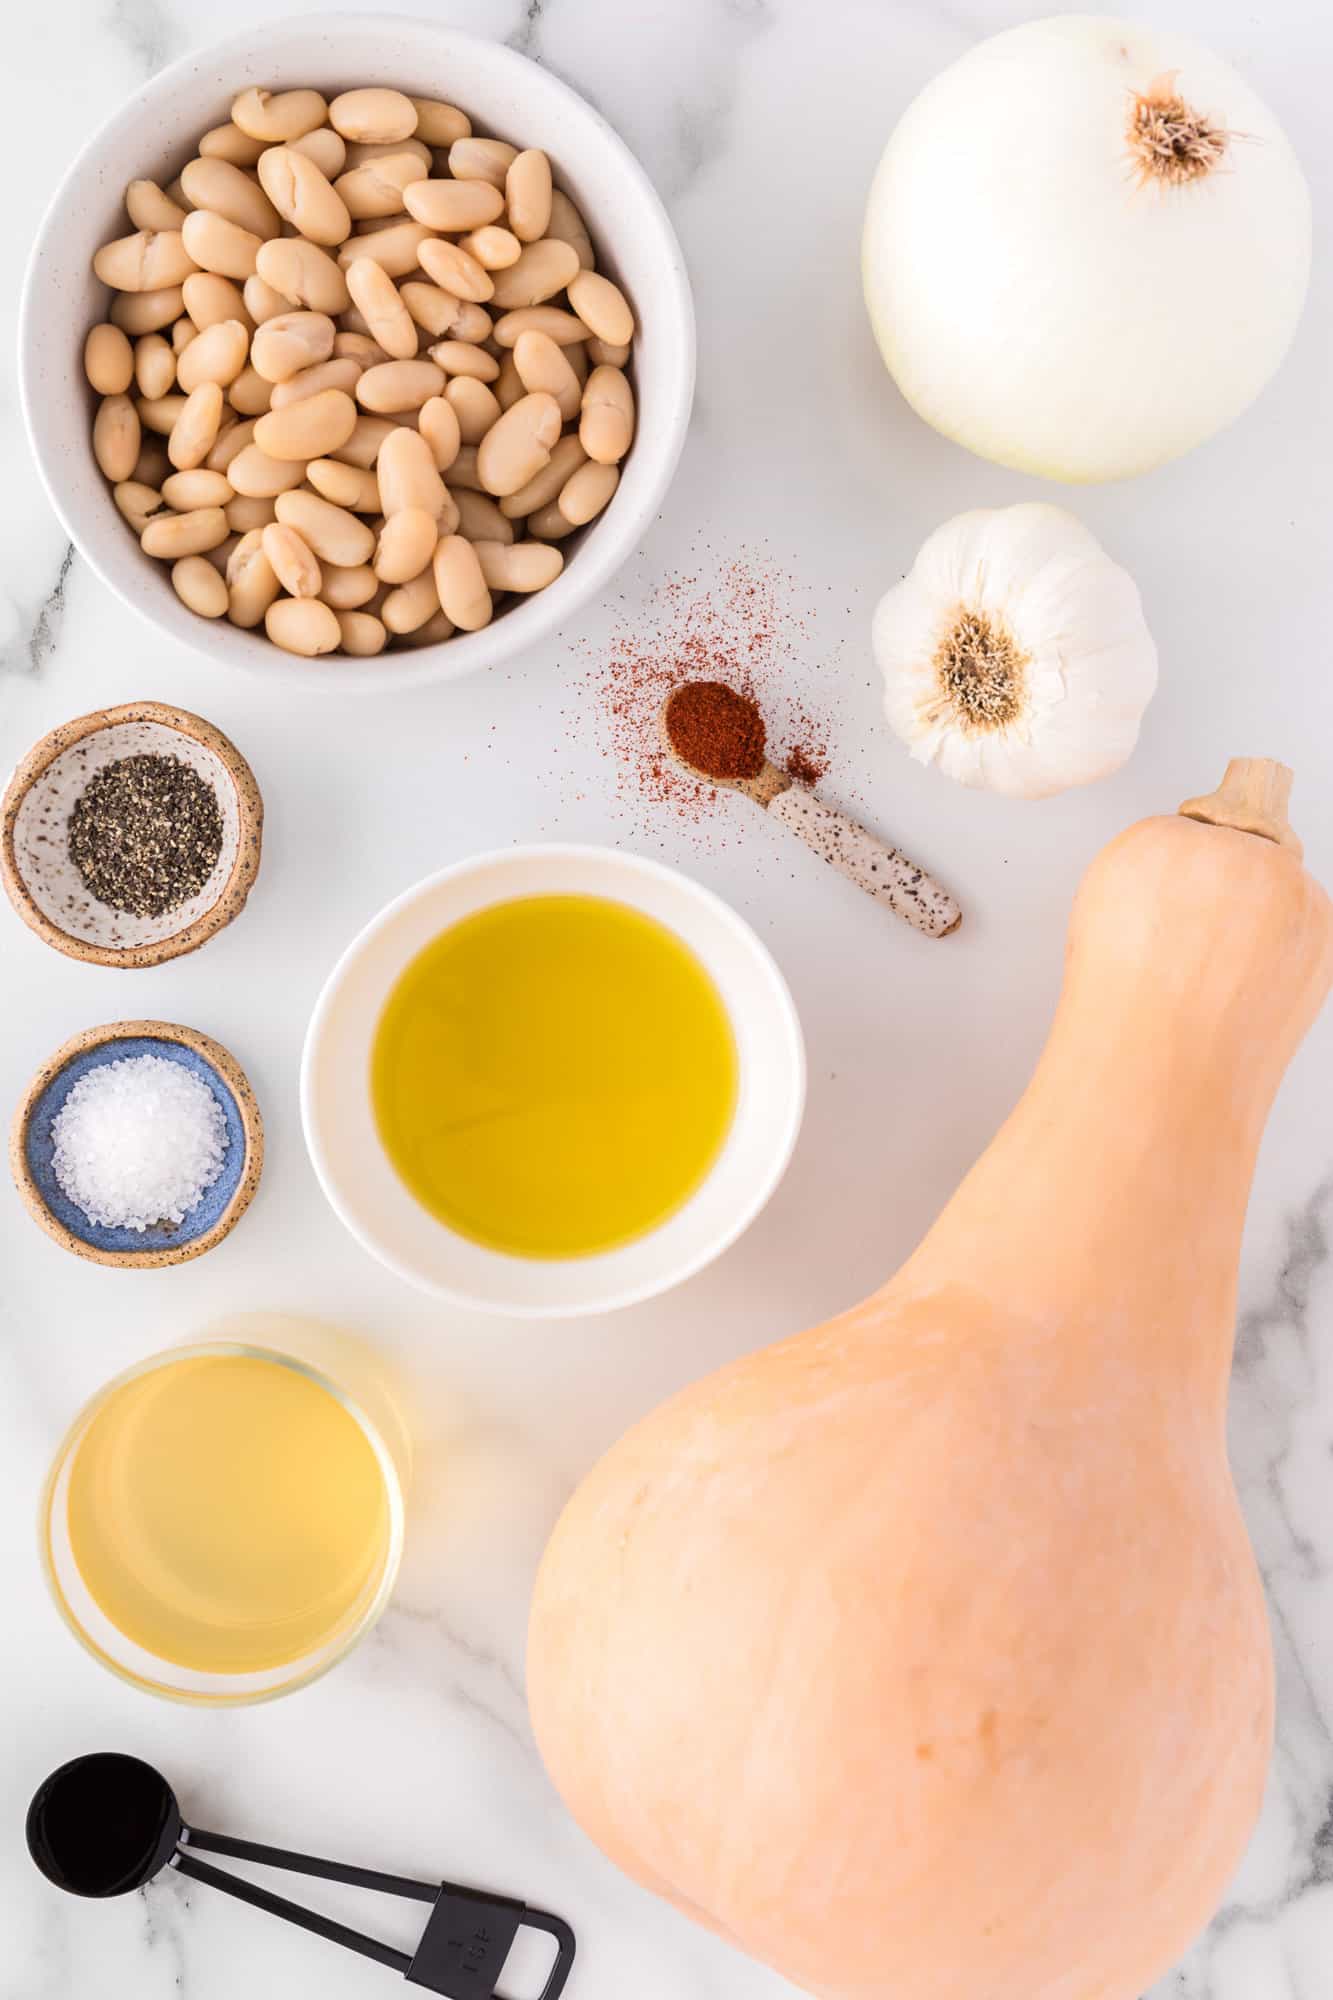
point(145, 834)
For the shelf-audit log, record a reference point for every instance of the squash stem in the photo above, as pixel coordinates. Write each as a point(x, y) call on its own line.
point(1252, 797)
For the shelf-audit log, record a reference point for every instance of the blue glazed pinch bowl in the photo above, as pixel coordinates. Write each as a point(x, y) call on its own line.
point(219, 1208)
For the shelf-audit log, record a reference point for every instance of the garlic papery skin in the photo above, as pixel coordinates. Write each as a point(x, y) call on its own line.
point(1015, 654)
point(1086, 249)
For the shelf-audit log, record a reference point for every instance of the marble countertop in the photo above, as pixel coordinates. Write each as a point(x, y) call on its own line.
point(760, 121)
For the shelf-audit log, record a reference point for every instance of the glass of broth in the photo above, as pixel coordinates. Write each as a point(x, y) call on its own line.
point(223, 1522)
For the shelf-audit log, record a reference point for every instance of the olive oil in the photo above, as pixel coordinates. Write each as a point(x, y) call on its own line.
point(554, 1076)
point(227, 1512)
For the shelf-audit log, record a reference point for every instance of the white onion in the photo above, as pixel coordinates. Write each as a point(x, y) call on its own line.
point(1052, 294)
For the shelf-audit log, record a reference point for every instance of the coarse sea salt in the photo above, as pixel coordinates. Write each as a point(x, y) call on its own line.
point(138, 1141)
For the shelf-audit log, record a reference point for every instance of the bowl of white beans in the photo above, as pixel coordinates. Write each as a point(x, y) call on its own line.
point(356, 351)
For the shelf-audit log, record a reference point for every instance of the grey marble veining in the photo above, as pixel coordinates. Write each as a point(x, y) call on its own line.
point(761, 121)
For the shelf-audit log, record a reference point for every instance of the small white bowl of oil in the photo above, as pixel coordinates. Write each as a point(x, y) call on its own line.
point(552, 1081)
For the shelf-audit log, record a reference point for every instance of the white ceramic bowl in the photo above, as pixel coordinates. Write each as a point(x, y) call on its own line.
point(505, 95)
point(377, 1208)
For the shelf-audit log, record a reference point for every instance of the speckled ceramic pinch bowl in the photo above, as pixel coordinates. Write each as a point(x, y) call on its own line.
point(219, 1209)
point(42, 881)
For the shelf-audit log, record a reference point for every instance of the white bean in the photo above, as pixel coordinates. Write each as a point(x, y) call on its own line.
point(568, 225)
point(548, 524)
point(479, 519)
point(461, 585)
point(376, 297)
point(564, 328)
point(438, 425)
point(184, 491)
point(148, 208)
point(347, 589)
point(302, 625)
point(434, 310)
point(294, 562)
point(528, 195)
point(411, 604)
point(199, 587)
point(454, 271)
point(606, 427)
point(587, 492)
point(602, 306)
point(303, 196)
point(519, 445)
point(195, 430)
point(146, 312)
point(440, 124)
point(407, 474)
point(335, 535)
point(362, 447)
point(543, 270)
point(230, 444)
point(303, 273)
point(172, 535)
point(373, 117)
point(540, 364)
point(325, 148)
point(228, 142)
point(453, 205)
point(148, 261)
point(218, 245)
point(251, 393)
point(159, 413)
point(545, 485)
point(218, 354)
point(362, 635)
point(346, 485)
point(244, 512)
point(332, 374)
point(260, 477)
point(399, 385)
point(209, 299)
point(360, 155)
point(524, 566)
point(137, 502)
point(251, 583)
point(278, 118)
point(376, 189)
point(481, 160)
point(282, 347)
point(230, 192)
point(474, 405)
point(108, 360)
point(396, 245)
point(463, 357)
point(263, 303)
point(406, 544)
point(495, 249)
point(116, 437)
point(309, 429)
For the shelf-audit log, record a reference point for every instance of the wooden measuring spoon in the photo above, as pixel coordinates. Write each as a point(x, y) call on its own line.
point(883, 872)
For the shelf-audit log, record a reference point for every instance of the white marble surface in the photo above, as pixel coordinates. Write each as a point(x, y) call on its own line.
point(760, 120)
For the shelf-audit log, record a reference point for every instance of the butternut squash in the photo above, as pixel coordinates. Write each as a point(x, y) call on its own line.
point(924, 1655)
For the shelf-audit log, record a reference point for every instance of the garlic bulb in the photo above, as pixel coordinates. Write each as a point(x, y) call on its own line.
point(1086, 248)
point(1015, 655)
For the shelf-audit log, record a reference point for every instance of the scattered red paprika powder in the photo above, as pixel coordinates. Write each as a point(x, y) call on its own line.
point(741, 621)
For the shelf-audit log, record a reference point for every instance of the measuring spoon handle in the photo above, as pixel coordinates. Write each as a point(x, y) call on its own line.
point(883, 872)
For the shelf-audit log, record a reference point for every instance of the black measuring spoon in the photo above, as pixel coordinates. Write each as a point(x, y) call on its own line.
point(105, 1824)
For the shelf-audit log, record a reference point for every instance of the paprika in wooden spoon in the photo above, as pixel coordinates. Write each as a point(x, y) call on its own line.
point(719, 735)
